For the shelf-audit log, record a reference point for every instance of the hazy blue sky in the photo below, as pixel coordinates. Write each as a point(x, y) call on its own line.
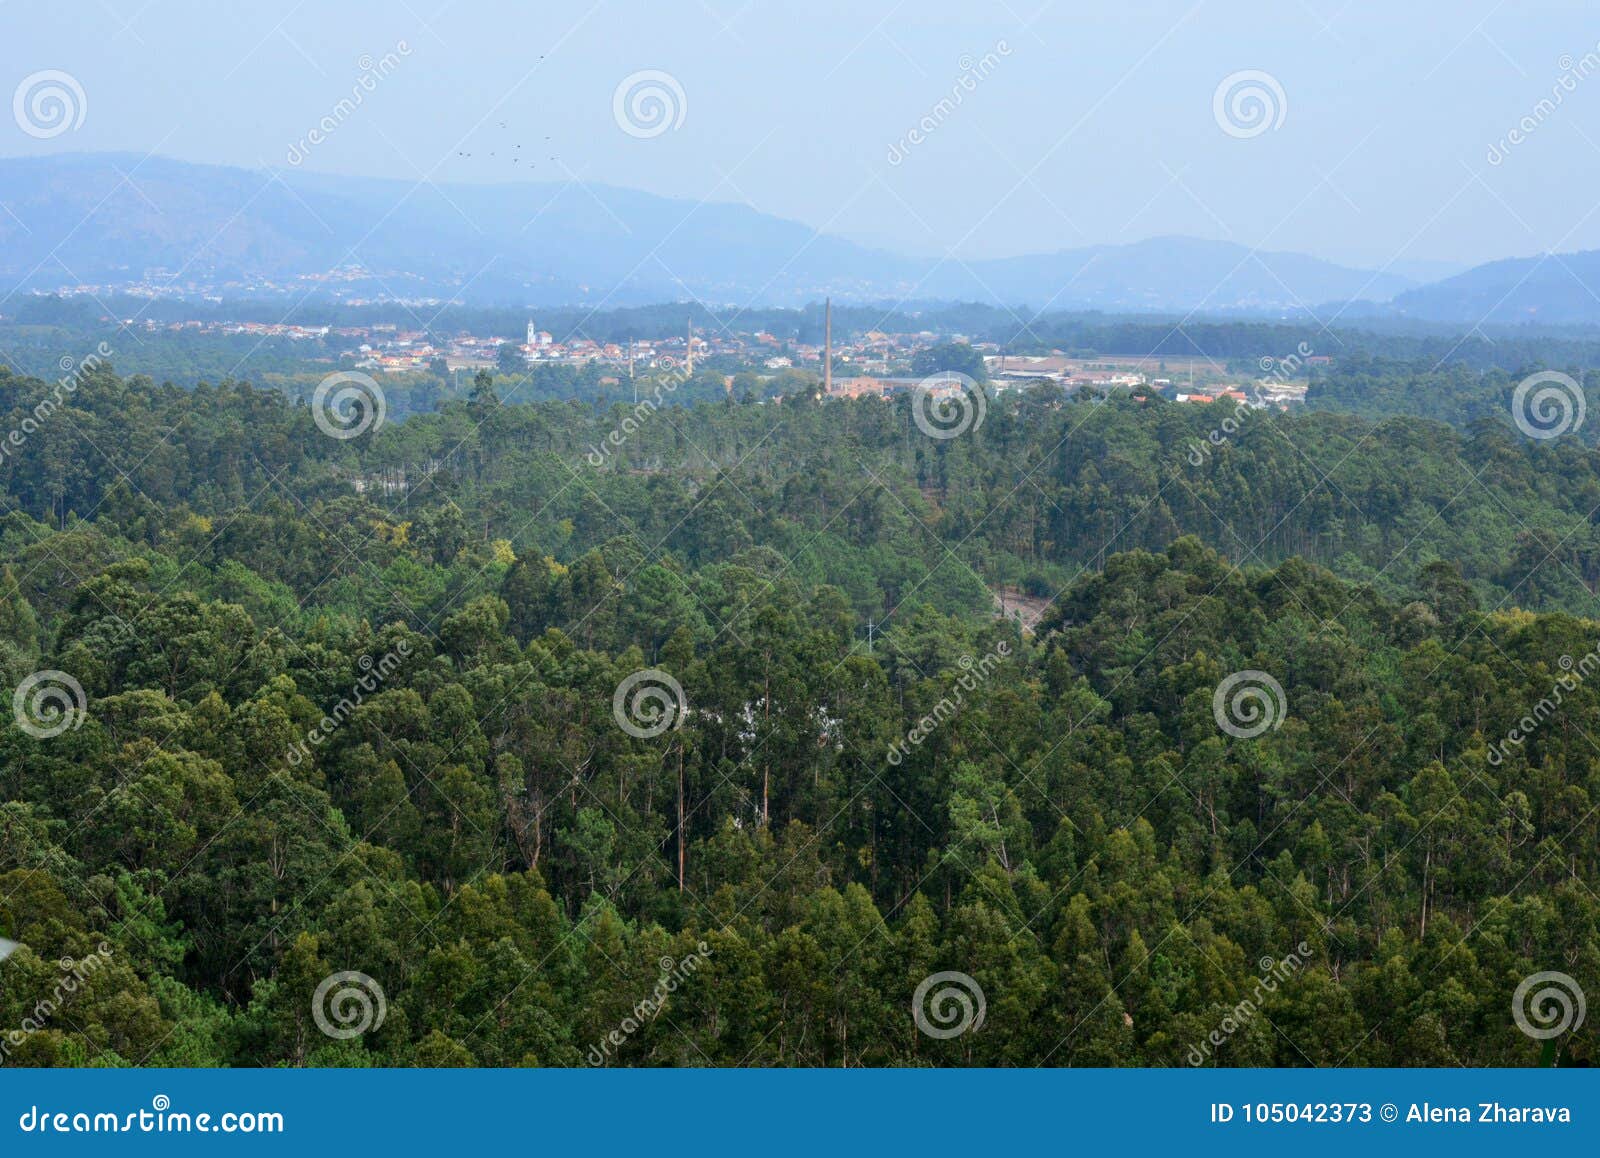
point(1094, 123)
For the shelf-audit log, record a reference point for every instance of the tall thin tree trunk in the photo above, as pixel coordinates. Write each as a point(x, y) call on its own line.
point(681, 849)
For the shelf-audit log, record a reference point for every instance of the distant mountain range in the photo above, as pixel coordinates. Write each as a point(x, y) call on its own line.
point(1552, 288)
point(123, 221)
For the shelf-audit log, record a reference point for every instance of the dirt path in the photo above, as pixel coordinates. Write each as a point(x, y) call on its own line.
point(1013, 604)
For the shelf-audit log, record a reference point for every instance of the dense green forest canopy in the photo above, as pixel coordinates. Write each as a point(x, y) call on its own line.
point(849, 493)
point(1454, 392)
point(354, 704)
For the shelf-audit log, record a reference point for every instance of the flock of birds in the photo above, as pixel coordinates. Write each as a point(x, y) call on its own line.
point(515, 154)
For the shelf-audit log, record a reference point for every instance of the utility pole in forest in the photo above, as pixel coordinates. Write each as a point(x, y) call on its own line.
point(827, 347)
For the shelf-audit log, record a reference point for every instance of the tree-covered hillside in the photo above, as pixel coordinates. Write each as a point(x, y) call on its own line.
point(702, 744)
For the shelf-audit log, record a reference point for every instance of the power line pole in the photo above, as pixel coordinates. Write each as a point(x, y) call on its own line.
point(827, 346)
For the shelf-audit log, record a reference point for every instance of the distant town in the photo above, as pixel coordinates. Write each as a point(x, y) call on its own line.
point(868, 363)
